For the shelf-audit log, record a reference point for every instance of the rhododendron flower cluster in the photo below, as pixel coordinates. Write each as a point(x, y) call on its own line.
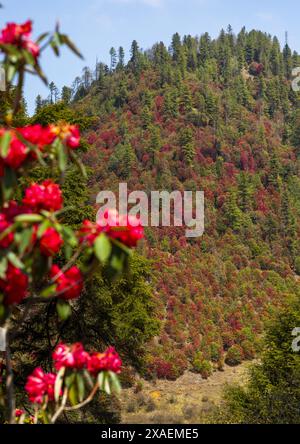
point(38, 135)
point(39, 385)
point(47, 196)
point(68, 134)
point(76, 357)
point(89, 231)
point(19, 35)
point(14, 286)
point(19, 413)
point(126, 229)
point(68, 284)
point(17, 152)
point(50, 242)
point(73, 356)
point(107, 361)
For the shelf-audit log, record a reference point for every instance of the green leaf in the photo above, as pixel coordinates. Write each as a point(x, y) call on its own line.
point(30, 218)
point(116, 386)
point(80, 387)
point(101, 379)
point(68, 251)
point(103, 248)
point(4, 143)
point(40, 73)
point(61, 155)
point(63, 309)
point(73, 395)
point(25, 239)
point(58, 383)
point(3, 267)
point(30, 60)
point(11, 72)
point(66, 40)
point(49, 291)
point(69, 236)
point(14, 260)
point(42, 37)
point(42, 228)
point(69, 380)
point(107, 388)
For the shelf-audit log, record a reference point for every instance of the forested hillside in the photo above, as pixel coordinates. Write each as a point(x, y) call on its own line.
point(217, 115)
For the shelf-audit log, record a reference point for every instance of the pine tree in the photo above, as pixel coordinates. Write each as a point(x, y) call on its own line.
point(187, 144)
point(233, 213)
point(287, 61)
point(205, 50)
point(66, 94)
point(52, 89)
point(146, 117)
point(38, 103)
point(176, 46)
point(185, 100)
point(135, 56)
point(122, 160)
point(121, 58)
point(113, 58)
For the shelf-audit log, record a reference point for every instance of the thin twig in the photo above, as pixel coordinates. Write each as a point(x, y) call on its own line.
point(86, 401)
point(61, 408)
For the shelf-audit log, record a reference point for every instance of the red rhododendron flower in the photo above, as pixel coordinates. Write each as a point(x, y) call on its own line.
point(17, 151)
point(19, 35)
point(126, 229)
point(37, 135)
point(89, 231)
point(39, 385)
point(33, 48)
point(73, 356)
point(69, 284)
point(8, 239)
point(107, 361)
point(19, 413)
point(46, 196)
point(50, 242)
point(14, 286)
point(69, 134)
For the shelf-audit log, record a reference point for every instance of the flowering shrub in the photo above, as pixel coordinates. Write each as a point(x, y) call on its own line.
point(77, 372)
point(32, 233)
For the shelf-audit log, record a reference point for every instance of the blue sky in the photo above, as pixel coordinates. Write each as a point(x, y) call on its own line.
point(96, 25)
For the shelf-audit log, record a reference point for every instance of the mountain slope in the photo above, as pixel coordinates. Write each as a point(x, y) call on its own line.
point(219, 116)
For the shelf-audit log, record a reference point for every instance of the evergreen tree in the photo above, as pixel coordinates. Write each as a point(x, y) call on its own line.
point(113, 58)
point(187, 144)
point(38, 103)
point(121, 58)
point(66, 94)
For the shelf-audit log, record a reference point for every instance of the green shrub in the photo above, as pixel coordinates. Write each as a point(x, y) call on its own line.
point(272, 395)
point(234, 355)
point(202, 366)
